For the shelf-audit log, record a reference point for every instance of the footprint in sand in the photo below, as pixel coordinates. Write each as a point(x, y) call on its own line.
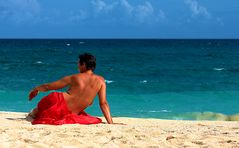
point(45, 133)
point(140, 137)
point(30, 141)
point(170, 137)
point(200, 124)
point(234, 128)
point(62, 135)
point(198, 142)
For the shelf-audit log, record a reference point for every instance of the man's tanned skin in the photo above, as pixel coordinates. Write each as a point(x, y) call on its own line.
point(83, 88)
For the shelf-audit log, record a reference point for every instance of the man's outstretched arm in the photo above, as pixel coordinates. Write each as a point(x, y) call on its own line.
point(50, 86)
point(104, 104)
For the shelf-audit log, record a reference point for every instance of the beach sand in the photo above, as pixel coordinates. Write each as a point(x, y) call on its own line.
point(16, 131)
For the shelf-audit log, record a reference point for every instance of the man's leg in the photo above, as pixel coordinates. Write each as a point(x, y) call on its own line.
point(33, 113)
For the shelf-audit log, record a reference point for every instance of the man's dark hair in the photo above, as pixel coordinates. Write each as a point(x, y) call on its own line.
point(89, 60)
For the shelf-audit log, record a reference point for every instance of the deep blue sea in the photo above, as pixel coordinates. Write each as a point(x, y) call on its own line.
point(168, 79)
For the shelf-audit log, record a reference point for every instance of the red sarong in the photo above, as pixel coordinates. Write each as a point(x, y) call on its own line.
point(52, 109)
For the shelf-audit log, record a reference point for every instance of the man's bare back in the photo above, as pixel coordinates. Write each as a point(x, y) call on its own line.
point(83, 88)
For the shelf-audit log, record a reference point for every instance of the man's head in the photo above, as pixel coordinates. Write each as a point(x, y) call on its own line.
point(87, 62)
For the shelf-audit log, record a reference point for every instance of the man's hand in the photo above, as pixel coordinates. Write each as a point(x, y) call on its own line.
point(33, 94)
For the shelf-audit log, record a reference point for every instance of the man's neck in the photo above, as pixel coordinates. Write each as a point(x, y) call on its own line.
point(88, 72)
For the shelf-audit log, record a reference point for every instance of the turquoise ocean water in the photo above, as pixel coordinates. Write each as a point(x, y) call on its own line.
point(169, 79)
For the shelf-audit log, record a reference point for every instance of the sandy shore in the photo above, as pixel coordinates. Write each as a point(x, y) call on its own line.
point(16, 131)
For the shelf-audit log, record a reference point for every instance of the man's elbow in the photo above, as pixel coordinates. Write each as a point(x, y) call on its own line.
point(103, 104)
point(45, 87)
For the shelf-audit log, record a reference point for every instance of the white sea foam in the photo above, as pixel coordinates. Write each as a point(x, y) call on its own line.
point(39, 62)
point(68, 44)
point(143, 81)
point(109, 81)
point(159, 111)
point(166, 111)
point(218, 69)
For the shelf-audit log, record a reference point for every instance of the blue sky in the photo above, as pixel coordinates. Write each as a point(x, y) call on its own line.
point(119, 19)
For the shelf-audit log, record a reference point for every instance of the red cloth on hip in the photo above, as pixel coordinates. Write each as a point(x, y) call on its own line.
point(52, 109)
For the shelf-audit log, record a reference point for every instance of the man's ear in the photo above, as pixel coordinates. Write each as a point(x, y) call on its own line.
point(84, 64)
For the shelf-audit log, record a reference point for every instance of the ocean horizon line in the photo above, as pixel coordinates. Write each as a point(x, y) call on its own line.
point(119, 38)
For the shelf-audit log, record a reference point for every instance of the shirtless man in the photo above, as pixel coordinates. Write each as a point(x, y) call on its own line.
point(83, 87)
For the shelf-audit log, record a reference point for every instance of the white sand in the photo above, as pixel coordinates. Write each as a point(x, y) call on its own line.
point(16, 131)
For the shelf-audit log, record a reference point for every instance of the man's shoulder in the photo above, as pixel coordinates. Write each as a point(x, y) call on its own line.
point(101, 81)
point(101, 78)
point(73, 75)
